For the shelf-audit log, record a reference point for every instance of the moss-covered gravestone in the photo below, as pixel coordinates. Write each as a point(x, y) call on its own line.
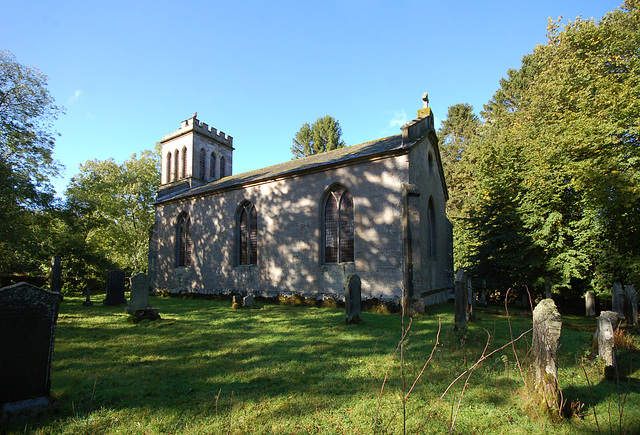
point(353, 299)
point(547, 324)
point(28, 317)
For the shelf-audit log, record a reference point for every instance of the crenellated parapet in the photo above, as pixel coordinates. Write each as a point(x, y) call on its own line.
point(194, 124)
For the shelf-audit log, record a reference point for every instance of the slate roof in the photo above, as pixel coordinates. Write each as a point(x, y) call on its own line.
point(316, 162)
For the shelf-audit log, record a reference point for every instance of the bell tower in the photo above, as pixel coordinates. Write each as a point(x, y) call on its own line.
point(195, 154)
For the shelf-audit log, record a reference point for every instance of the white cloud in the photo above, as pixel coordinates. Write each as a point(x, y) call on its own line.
point(75, 97)
point(399, 119)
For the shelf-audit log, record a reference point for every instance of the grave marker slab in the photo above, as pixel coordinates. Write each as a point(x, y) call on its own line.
point(606, 344)
point(590, 304)
point(115, 288)
point(248, 301)
point(139, 307)
point(28, 317)
point(617, 299)
point(55, 279)
point(630, 305)
point(353, 299)
point(547, 325)
point(461, 305)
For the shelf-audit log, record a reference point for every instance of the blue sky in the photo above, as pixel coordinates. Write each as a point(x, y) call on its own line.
point(128, 72)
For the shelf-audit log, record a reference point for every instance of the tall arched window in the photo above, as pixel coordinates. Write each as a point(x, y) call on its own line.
point(247, 234)
point(183, 173)
point(202, 166)
point(176, 165)
point(222, 163)
point(431, 230)
point(212, 166)
point(339, 228)
point(183, 238)
point(168, 169)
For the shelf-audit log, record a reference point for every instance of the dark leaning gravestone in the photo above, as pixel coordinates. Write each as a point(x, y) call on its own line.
point(353, 299)
point(28, 316)
point(115, 288)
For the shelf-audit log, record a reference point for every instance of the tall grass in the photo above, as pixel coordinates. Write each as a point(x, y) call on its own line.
point(206, 368)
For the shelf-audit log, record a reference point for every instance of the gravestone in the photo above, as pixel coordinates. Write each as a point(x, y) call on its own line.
point(87, 302)
point(248, 301)
point(483, 294)
point(590, 304)
point(139, 307)
point(547, 287)
point(617, 299)
point(613, 317)
point(353, 299)
point(461, 306)
point(547, 325)
point(471, 309)
point(115, 288)
point(55, 279)
point(606, 344)
point(28, 316)
point(630, 305)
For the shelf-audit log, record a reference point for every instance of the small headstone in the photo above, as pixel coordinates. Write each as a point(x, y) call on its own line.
point(617, 299)
point(87, 302)
point(547, 287)
point(471, 309)
point(418, 306)
point(547, 325)
point(248, 301)
point(630, 305)
point(28, 317)
point(353, 299)
point(590, 304)
point(115, 288)
point(55, 279)
point(461, 306)
point(606, 344)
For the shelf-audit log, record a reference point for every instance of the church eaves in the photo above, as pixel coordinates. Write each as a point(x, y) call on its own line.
point(318, 162)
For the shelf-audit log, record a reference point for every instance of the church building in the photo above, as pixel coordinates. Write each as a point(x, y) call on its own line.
point(376, 209)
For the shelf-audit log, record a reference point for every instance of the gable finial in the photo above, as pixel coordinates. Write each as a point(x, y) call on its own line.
point(426, 110)
point(425, 100)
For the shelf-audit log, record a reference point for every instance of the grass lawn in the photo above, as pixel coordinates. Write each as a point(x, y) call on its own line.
point(206, 368)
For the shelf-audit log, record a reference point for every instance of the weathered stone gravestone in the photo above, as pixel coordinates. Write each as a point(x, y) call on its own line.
point(547, 325)
point(139, 307)
point(248, 301)
point(462, 305)
point(630, 305)
point(590, 304)
point(28, 316)
point(115, 288)
point(87, 302)
point(606, 343)
point(353, 299)
point(55, 279)
point(471, 309)
point(617, 299)
point(547, 287)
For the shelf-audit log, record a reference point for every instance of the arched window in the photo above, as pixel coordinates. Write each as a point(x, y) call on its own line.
point(247, 234)
point(183, 173)
point(176, 164)
point(222, 162)
point(168, 168)
point(183, 239)
point(431, 230)
point(212, 166)
point(339, 228)
point(202, 166)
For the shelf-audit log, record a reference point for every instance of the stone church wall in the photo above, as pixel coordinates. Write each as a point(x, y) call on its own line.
point(289, 236)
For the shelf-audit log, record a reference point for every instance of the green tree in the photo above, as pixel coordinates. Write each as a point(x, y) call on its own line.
point(560, 154)
point(117, 203)
point(323, 135)
point(27, 139)
point(457, 134)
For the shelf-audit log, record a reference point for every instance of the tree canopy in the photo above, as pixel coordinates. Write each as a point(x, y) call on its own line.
point(557, 186)
point(27, 139)
point(323, 135)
